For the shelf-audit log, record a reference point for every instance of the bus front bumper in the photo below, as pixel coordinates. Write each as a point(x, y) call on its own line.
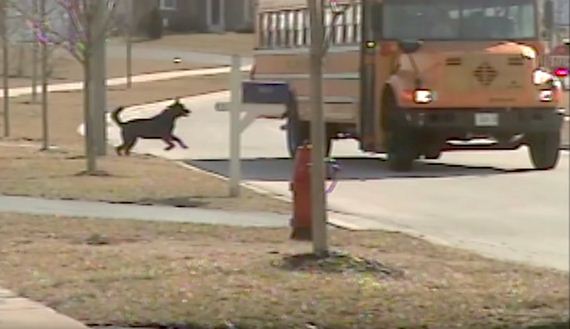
point(459, 122)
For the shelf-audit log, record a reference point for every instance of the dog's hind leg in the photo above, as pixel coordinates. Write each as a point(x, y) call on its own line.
point(179, 141)
point(168, 141)
point(128, 146)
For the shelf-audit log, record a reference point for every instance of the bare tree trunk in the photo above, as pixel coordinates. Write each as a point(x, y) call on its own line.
point(129, 43)
point(90, 153)
point(90, 150)
point(44, 67)
point(5, 66)
point(318, 197)
point(35, 51)
point(98, 105)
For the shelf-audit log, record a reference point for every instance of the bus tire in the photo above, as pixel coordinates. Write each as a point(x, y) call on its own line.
point(299, 132)
point(544, 149)
point(402, 146)
point(401, 154)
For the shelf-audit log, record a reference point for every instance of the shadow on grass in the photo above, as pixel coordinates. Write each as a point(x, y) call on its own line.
point(336, 262)
point(553, 325)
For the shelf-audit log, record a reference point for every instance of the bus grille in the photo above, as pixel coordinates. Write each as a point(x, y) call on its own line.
point(485, 74)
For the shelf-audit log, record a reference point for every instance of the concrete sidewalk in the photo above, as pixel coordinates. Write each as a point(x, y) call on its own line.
point(21, 313)
point(104, 210)
point(150, 77)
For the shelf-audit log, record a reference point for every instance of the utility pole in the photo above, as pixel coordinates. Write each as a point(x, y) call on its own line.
point(98, 85)
point(318, 200)
point(5, 65)
point(44, 65)
point(129, 42)
point(35, 50)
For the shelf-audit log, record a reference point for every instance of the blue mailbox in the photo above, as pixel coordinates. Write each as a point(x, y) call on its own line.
point(263, 92)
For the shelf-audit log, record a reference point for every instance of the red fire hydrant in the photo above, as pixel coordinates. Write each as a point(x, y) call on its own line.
point(301, 188)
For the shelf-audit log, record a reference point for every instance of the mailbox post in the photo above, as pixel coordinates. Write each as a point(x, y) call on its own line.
point(248, 101)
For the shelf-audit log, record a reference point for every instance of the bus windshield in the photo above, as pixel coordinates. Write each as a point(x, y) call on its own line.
point(459, 20)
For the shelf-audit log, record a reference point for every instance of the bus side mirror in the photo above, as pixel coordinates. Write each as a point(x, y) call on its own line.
point(409, 46)
point(548, 18)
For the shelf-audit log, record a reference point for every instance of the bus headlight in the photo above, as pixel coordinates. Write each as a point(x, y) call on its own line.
point(540, 77)
point(423, 96)
point(546, 95)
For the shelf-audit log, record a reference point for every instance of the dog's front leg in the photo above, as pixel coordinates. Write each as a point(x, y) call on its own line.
point(179, 141)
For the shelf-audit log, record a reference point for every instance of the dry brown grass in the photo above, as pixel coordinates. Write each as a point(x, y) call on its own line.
point(141, 273)
point(138, 179)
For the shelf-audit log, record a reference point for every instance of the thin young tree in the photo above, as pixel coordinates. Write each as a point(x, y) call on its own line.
point(5, 64)
point(85, 30)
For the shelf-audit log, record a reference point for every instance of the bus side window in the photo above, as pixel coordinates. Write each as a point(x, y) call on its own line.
point(339, 29)
point(329, 28)
point(349, 25)
point(307, 31)
point(292, 28)
point(264, 30)
point(277, 18)
point(300, 28)
point(271, 30)
point(358, 22)
point(283, 29)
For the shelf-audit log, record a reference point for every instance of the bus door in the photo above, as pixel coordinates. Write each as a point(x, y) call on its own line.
point(368, 50)
point(373, 73)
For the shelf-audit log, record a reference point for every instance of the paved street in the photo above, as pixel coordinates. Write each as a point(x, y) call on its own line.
point(491, 202)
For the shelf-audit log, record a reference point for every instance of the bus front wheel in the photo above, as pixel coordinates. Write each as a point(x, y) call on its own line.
point(402, 148)
point(544, 149)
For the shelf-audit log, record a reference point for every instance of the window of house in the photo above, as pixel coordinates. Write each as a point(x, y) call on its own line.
point(168, 4)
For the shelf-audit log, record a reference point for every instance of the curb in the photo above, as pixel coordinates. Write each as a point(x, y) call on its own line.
point(336, 222)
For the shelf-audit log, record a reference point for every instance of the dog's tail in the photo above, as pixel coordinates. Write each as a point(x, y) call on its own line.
point(115, 115)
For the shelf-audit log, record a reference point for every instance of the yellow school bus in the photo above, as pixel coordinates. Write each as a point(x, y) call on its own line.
point(415, 78)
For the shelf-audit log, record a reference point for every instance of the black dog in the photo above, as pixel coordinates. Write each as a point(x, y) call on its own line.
point(160, 126)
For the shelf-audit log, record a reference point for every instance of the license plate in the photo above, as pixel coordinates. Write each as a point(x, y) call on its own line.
point(486, 119)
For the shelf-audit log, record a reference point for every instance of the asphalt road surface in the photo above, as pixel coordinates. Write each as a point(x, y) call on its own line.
point(490, 202)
